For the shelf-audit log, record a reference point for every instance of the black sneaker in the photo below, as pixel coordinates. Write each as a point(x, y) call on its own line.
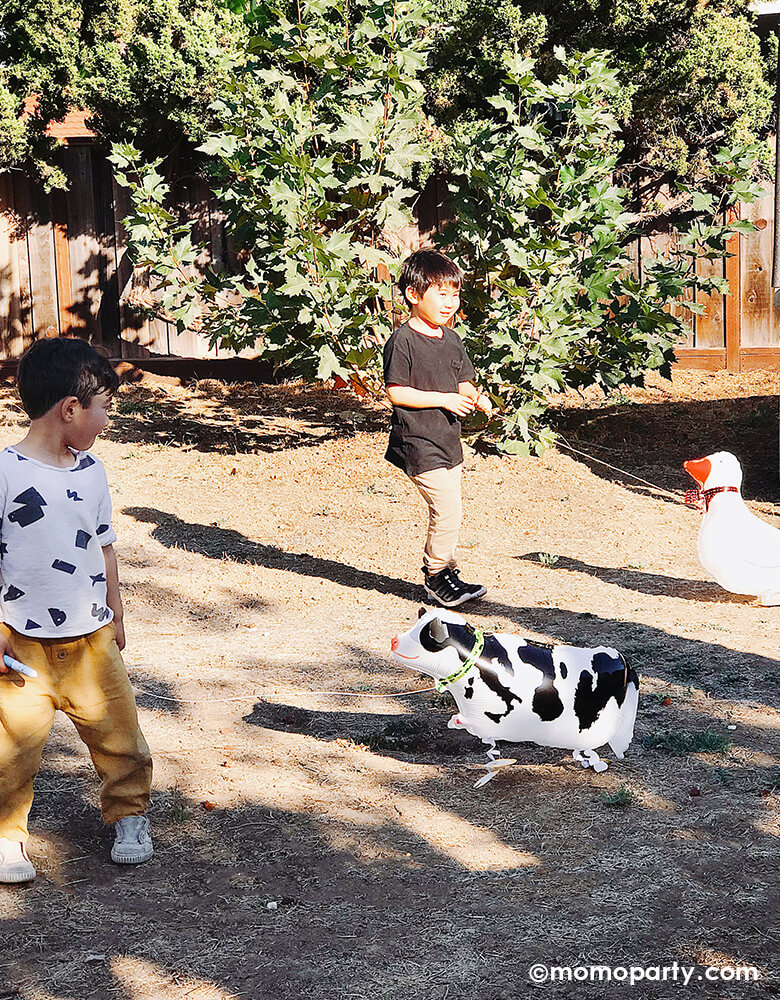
point(475, 590)
point(447, 588)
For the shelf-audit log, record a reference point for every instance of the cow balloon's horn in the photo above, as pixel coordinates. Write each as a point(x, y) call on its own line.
point(438, 631)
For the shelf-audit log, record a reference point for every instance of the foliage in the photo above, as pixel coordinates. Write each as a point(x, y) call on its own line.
point(551, 297)
point(152, 81)
point(620, 798)
point(147, 69)
point(158, 239)
point(311, 174)
point(318, 137)
point(680, 742)
point(691, 76)
point(12, 128)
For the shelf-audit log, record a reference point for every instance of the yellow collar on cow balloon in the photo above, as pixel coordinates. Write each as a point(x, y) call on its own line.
point(468, 663)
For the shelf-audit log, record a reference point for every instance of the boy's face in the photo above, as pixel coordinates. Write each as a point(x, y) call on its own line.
point(437, 305)
point(88, 421)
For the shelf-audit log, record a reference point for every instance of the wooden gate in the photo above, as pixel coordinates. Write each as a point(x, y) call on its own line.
point(740, 331)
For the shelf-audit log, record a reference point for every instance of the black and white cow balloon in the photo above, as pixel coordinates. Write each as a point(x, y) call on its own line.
point(514, 689)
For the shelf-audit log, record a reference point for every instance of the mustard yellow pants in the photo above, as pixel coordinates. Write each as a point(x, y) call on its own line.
point(440, 489)
point(86, 679)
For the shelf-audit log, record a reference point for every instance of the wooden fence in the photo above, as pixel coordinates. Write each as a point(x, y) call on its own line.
point(65, 270)
point(740, 331)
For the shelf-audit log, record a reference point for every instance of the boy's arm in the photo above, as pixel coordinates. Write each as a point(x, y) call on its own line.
point(113, 597)
point(422, 399)
point(480, 399)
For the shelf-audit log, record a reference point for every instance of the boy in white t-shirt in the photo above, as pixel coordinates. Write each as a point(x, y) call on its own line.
point(60, 604)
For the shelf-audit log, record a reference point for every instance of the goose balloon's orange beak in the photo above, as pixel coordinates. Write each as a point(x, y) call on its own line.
point(394, 643)
point(699, 469)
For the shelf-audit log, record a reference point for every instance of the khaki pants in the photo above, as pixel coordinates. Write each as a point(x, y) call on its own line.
point(86, 679)
point(440, 489)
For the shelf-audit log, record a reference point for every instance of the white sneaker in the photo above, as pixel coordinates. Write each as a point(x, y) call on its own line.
point(132, 841)
point(15, 866)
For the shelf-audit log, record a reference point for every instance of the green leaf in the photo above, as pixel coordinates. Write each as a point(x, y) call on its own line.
point(329, 365)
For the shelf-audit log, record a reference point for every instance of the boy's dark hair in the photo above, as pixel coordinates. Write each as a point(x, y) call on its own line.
point(56, 367)
point(424, 268)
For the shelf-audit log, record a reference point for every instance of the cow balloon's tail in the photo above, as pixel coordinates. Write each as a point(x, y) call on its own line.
point(625, 731)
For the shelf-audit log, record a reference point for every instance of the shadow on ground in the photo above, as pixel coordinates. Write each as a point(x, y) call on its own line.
point(220, 543)
point(656, 584)
point(746, 426)
point(240, 418)
point(678, 659)
point(264, 899)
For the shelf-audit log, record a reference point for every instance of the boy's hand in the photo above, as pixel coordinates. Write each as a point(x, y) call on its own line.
point(456, 403)
point(483, 402)
point(119, 627)
point(5, 649)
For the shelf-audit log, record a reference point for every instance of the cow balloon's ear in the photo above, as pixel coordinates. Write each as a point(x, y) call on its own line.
point(438, 632)
point(421, 613)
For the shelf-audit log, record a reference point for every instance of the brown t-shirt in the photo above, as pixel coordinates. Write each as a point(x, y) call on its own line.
point(429, 438)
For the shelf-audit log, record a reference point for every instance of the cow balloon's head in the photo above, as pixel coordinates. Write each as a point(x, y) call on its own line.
point(427, 646)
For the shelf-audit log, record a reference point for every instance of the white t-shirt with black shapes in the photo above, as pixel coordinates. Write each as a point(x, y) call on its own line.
point(54, 523)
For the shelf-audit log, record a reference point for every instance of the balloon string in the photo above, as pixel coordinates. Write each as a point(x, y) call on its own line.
point(616, 468)
point(257, 694)
point(563, 443)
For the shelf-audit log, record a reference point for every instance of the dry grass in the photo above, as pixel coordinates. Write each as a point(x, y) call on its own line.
point(314, 844)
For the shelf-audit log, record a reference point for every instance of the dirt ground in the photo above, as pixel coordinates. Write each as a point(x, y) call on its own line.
point(315, 843)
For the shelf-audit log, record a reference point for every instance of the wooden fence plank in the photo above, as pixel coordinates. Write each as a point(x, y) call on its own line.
point(59, 212)
point(43, 267)
point(710, 328)
point(756, 270)
point(84, 245)
point(703, 359)
point(159, 341)
point(105, 233)
point(23, 211)
point(11, 324)
point(733, 315)
point(195, 200)
point(9, 304)
point(133, 326)
point(663, 244)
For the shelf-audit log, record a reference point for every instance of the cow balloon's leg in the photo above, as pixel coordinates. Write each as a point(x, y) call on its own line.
point(577, 755)
point(596, 762)
point(589, 758)
point(493, 754)
point(494, 763)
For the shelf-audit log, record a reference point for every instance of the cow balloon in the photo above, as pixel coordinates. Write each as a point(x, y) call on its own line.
point(508, 688)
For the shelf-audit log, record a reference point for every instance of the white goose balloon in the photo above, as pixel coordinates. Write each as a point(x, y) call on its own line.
point(737, 549)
